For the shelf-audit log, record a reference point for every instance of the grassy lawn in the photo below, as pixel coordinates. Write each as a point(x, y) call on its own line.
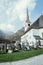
point(19, 55)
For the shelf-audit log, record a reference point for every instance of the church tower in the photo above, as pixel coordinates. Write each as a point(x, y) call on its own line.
point(27, 23)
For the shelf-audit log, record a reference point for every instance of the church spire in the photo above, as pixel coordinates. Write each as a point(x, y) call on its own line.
point(27, 19)
point(27, 23)
point(27, 15)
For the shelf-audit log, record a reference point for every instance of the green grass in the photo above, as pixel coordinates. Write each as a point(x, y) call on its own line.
point(19, 55)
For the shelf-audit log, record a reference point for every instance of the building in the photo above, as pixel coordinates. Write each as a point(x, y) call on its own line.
point(33, 33)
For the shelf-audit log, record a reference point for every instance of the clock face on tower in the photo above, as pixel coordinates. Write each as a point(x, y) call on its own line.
point(28, 24)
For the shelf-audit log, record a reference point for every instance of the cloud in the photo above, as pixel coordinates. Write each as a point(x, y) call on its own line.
point(22, 16)
point(7, 27)
point(10, 10)
point(18, 8)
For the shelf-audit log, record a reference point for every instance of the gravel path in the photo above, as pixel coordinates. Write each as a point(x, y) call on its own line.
point(37, 60)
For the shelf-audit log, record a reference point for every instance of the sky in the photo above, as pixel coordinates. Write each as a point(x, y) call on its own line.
point(13, 13)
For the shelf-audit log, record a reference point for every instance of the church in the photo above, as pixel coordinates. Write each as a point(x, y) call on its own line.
point(33, 35)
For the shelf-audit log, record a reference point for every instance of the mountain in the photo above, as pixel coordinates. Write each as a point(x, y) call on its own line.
point(18, 34)
point(12, 36)
point(2, 35)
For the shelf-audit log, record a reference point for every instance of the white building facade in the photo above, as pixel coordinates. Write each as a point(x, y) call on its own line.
point(33, 33)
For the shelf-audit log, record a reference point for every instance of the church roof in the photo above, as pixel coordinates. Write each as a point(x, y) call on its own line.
point(38, 23)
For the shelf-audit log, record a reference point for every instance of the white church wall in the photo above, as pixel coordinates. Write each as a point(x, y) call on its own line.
point(41, 42)
point(26, 36)
point(41, 35)
point(41, 32)
point(38, 32)
point(35, 31)
point(29, 37)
